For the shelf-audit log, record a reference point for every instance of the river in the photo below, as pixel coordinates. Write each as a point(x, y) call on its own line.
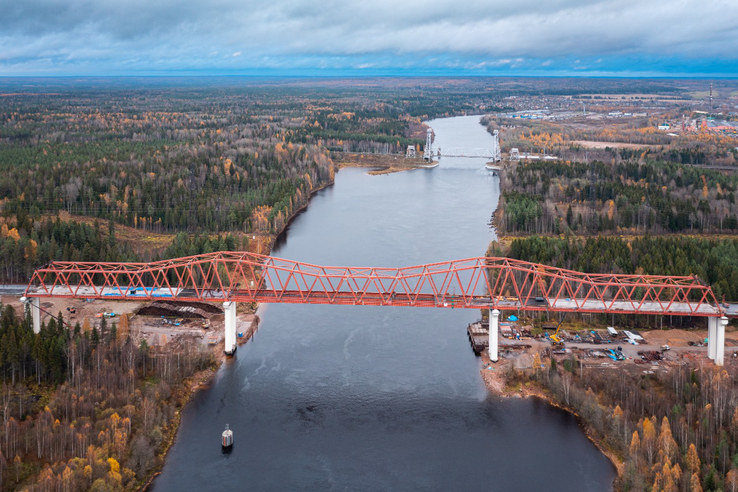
point(378, 398)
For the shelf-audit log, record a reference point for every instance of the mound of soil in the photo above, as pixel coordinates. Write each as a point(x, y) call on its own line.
point(201, 310)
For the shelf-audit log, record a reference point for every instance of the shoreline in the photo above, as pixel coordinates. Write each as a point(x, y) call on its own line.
point(273, 238)
point(192, 385)
point(381, 163)
point(203, 379)
point(496, 384)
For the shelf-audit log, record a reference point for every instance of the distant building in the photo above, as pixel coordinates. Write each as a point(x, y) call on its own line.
point(664, 126)
point(410, 151)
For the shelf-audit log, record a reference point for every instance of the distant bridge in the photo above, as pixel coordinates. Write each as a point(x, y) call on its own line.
point(466, 152)
point(493, 153)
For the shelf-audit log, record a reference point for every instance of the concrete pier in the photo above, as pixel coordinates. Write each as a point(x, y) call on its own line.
point(494, 330)
point(35, 304)
point(229, 308)
point(711, 334)
point(720, 341)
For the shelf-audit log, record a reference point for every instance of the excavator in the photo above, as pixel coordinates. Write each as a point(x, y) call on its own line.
point(556, 341)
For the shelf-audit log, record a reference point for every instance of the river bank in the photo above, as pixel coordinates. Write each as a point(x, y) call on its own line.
point(495, 379)
point(382, 164)
point(199, 381)
point(191, 386)
point(204, 379)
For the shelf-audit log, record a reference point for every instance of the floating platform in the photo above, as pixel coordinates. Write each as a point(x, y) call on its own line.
point(478, 333)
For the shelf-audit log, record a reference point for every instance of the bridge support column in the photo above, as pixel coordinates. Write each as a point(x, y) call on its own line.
point(711, 334)
point(230, 327)
point(720, 341)
point(494, 330)
point(35, 303)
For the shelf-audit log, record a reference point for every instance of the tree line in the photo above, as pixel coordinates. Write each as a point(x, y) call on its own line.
point(27, 244)
point(714, 261)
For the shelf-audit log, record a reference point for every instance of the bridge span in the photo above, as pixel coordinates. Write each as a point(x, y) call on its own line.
point(468, 152)
point(473, 283)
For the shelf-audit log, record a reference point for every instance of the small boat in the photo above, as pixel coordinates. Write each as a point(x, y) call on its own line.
point(227, 438)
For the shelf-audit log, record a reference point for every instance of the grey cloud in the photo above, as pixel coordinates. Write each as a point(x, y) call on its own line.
point(120, 33)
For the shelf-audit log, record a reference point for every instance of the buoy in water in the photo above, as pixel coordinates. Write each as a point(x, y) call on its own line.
point(227, 438)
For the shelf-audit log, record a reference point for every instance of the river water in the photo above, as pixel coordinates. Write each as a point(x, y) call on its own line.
point(378, 398)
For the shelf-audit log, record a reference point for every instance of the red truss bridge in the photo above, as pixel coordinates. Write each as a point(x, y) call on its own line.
point(502, 283)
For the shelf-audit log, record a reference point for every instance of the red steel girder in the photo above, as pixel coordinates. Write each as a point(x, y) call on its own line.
point(505, 283)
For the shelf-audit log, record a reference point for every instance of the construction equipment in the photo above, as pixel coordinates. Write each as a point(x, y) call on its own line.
point(555, 339)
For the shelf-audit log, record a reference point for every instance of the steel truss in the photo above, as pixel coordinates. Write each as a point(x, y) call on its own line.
point(464, 152)
point(505, 283)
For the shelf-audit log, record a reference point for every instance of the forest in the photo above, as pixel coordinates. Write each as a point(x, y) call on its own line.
point(218, 160)
point(86, 408)
point(628, 197)
point(157, 171)
point(28, 244)
point(714, 261)
point(674, 431)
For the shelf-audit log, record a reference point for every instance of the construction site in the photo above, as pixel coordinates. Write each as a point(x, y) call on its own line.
point(160, 323)
point(640, 351)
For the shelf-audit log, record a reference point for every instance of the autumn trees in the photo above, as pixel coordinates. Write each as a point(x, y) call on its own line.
point(670, 439)
point(105, 423)
point(627, 196)
point(163, 164)
point(674, 430)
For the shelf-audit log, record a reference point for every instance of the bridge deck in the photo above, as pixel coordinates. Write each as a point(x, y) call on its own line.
point(385, 299)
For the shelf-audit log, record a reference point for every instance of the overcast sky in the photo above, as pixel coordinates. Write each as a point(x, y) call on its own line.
point(464, 37)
